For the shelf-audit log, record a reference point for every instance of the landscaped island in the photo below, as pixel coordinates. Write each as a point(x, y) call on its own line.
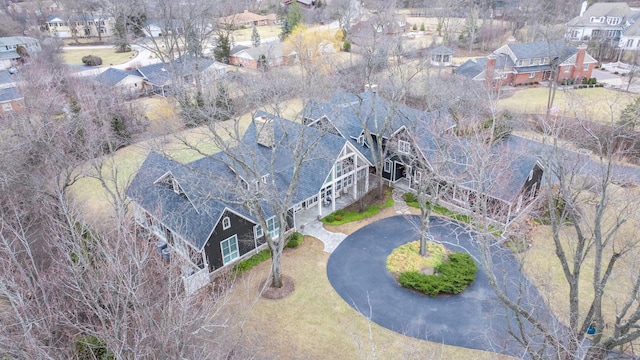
point(440, 272)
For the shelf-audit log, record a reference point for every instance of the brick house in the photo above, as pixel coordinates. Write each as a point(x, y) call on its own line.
point(523, 63)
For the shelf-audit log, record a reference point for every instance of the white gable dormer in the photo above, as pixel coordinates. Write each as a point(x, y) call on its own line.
point(169, 180)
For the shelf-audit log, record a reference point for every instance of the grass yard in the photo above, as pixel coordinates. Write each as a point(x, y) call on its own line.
point(593, 104)
point(264, 31)
point(315, 323)
point(108, 55)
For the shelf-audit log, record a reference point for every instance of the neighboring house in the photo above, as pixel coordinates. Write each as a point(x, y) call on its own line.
point(129, 83)
point(156, 28)
point(9, 50)
point(248, 19)
point(441, 56)
point(189, 206)
point(269, 55)
point(510, 185)
point(87, 25)
point(370, 32)
point(523, 63)
point(306, 4)
point(10, 100)
point(603, 22)
point(160, 78)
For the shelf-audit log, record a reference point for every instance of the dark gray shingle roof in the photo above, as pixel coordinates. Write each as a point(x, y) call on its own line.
point(9, 94)
point(113, 76)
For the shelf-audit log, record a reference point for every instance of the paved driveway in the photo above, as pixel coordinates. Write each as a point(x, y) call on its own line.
point(473, 319)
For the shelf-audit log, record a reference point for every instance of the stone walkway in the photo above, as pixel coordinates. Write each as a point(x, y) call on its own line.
point(331, 240)
point(399, 205)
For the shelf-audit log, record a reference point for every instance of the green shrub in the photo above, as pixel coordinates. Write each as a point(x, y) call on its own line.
point(346, 46)
point(246, 265)
point(294, 240)
point(451, 277)
point(422, 27)
point(91, 60)
point(410, 197)
point(414, 27)
point(91, 347)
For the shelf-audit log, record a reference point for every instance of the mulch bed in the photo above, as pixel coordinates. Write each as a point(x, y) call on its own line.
point(271, 293)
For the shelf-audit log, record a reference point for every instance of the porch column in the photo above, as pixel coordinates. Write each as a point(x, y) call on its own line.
point(333, 188)
point(320, 203)
point(366, 181)
point(355, 176)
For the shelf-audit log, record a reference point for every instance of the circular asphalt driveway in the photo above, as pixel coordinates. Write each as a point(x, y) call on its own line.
point(473, 319)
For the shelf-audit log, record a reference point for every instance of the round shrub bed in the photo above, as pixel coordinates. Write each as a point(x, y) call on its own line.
point(438, 273)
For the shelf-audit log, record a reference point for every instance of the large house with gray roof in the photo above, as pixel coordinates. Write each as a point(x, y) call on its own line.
point(525, 63)
point(201, 211)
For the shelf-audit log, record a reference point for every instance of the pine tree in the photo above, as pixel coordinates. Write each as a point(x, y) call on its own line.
point(223, 49)
point(292, 18)
point(255, 37)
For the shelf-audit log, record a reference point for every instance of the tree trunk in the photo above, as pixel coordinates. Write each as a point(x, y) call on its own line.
point(276, 268)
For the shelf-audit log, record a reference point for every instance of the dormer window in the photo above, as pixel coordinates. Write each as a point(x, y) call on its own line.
point(175, 186)
point(264, 178)
point(226, 223)
point(404, 147)
point(169, 180)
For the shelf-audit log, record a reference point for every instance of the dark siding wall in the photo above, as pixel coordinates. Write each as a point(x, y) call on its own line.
point(536, 179)
point(240, 227)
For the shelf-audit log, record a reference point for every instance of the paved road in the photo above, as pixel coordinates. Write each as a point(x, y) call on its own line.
point(473, 319)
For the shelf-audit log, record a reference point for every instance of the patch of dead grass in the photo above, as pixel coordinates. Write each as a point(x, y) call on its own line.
point(593, 104)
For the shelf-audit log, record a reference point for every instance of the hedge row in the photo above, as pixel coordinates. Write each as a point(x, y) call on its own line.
point(451, 277)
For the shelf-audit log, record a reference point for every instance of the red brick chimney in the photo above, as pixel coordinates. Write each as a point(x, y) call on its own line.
point(582, 52)
point(491, 69)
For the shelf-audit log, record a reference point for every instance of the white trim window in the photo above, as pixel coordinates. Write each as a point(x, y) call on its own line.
point(273, 227)
point(567, 68)
point(404, 147)
point(586, 67)
point(226, 223)
point(532, 75)
point(387, 166)
point(258, 232)
point(229, 248)
point(418, 176)
point(7, 107)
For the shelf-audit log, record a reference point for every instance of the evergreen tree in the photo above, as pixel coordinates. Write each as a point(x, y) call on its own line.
point(223, 48)
point(292, 18)
point(255, 37)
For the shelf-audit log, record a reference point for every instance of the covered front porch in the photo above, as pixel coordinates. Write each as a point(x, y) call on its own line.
point(341, 200)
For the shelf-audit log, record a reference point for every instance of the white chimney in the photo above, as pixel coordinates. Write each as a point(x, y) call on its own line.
point(584, 7)
point(264, 129)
